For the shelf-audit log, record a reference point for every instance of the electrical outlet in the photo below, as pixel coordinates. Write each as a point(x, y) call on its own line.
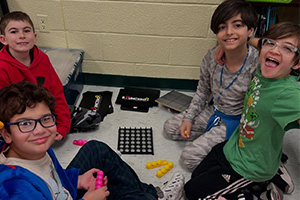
point(43, 22)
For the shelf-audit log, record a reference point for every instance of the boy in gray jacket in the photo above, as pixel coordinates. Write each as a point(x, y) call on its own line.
point(233, 22)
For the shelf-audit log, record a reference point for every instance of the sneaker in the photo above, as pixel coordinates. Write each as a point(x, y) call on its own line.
point(283, 180)
point(172, 189)
point(272, 193)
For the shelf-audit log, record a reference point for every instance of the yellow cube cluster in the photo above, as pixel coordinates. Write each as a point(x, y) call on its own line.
point(154, 164)
point(167, 166)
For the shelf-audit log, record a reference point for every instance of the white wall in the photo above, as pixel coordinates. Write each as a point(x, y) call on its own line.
point(148, 38)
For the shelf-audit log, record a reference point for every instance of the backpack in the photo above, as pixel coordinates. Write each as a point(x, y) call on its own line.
point(98, 101)
point(83, 119)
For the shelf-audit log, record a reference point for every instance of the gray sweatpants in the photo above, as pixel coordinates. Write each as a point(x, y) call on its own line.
point(202, 142)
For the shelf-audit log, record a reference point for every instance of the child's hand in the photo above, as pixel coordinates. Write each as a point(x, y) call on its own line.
point(185, 129)
point(87, 181)
point(105, 181)
point(58, 137)
point(219, 55)
point(253, 42)
point(99, 194)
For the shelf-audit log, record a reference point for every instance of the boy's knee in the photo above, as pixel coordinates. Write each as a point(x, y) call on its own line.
point(168, 129)
point(97, 146)
point(187, 160)
point(167, 125)
point(94, 143)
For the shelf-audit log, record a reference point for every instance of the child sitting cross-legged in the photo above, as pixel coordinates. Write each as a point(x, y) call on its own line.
point(224, 87)
point(30, 170)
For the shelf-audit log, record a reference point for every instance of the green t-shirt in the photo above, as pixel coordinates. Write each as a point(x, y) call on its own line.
point(271, 107)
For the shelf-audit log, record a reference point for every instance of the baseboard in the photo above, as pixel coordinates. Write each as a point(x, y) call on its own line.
point(133, 81)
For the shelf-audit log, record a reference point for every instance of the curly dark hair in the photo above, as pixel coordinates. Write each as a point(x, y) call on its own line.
point(15, 98)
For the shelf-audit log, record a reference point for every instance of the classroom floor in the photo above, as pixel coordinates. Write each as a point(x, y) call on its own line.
point(164, 149)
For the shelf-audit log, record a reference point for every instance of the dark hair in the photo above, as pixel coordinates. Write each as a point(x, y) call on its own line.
point(283, 30)
point(14, 16)
point(15, 98)
point(231, 8)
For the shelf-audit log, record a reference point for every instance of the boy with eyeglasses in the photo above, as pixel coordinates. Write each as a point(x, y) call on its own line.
point(28, 166)
point(252, 155)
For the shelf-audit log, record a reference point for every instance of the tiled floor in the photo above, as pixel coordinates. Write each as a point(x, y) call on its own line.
point(164, 149)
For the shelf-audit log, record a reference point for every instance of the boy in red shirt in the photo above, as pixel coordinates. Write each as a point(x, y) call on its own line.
point(21, 59)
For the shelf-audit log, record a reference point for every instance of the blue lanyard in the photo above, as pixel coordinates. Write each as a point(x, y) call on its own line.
point(238, 73)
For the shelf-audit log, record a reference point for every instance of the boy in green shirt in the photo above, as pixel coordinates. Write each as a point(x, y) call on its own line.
point(252, 154)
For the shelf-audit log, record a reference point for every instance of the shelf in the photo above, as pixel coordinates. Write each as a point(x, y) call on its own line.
point(271, 12)
point(279, 3)
point(272, 1)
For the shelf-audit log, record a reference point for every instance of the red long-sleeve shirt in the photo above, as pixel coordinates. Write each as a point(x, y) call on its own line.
point(42, 73)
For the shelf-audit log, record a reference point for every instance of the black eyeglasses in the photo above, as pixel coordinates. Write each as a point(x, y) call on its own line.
point(28, 125)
